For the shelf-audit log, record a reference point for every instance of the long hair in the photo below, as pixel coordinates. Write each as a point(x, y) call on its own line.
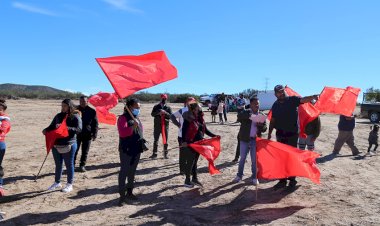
point(130, 103)
point(71, 105)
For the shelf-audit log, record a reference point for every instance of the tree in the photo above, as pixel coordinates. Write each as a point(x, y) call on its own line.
point(372, 95)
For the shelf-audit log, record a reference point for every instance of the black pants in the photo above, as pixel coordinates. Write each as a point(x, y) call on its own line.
point(370, 146)
point(225, 114)
point(128, 166)
point(85, 142)
point(190, 162)
point(237, 154)
point(156, 134)
point(220, 117)
point(181, 157)
point(289, 139)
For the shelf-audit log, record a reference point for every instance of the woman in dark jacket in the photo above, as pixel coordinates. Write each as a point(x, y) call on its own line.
point(194, 128)
point(64, 148)
point(130, 148)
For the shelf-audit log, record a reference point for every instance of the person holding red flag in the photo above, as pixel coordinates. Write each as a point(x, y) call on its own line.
point(179, 123)
point(88, 133)
point(161, 113)
point(285, 120)
point(5, 127)
point(64, 148)
point(130, 148)
point(249, 130)
point(193, 129)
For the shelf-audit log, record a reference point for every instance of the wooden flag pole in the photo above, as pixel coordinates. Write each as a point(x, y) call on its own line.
point(35, 179)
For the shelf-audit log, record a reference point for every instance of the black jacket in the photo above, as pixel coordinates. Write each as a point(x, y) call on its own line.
point(157, 117)
point(131, 144)
point(74, 124)
point(245, 126)
point(189, 122)
point(89, 122)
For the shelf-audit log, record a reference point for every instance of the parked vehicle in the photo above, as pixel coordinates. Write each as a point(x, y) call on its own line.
point(208, 99)
point(370, 108)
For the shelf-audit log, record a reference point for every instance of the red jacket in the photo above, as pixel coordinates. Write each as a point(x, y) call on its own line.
point(5, 126)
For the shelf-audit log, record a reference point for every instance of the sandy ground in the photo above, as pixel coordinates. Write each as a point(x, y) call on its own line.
point(348, 195)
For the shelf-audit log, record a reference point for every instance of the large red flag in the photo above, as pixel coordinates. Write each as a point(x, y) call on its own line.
point(210, 149)
point(306, 112)
point(129, 74)
point(338, 101)
point(103, 102)
point(51, 136)
point(276, 160)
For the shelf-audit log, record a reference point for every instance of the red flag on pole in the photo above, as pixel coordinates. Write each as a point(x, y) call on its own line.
point(338, 101)
point(51, 136)
point(163, 129)
point(276, 160)
point(129, 74)
point(210, 150)
point(103, 102)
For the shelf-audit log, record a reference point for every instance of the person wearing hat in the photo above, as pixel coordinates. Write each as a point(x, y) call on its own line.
point(161, 112)
point(64, 148)
point(285, 121)
point(179, 123)
point(5, 126)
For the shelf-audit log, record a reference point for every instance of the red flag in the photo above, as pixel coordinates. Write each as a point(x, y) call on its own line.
point(51, 136)
point(306, 112)
point(104, 116)
point(103, 102)
point(338, 101)
point(276, 160)
point(106, 100)
point(210, 149)
point(163, 129)
point(129, 74)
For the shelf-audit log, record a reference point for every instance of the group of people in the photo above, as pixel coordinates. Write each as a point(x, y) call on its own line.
point(82, 125)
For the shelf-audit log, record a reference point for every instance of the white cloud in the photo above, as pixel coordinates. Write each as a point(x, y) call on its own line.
point(123, 5)
point(33, 9)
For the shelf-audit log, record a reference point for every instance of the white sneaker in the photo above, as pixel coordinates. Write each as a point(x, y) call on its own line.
point(54, 186)
point(68, 188)
point(237, 179)
point(255, 182)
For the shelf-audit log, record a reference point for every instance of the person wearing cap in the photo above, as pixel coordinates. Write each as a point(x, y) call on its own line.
point(89, 131)
point(285, 121)
point(177, 120)
point(194, 128)
point(5, 126)
point(64, 148)
point(161, 110)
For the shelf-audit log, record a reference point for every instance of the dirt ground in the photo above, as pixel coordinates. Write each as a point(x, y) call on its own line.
point(348, 194)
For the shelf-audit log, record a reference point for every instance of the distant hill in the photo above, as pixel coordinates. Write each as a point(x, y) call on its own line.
point(15, 91)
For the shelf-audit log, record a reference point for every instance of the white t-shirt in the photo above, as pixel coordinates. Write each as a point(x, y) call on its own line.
point(178, 115)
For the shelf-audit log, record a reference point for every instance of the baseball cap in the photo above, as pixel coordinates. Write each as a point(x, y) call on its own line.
point(164, 96)
point(278, 88)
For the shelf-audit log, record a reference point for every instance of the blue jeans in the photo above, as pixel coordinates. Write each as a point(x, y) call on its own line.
point(246, 147)
point(2, 153)
point(69, 162)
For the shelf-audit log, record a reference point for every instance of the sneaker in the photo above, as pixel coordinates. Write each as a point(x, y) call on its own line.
point(55, 186)
point(196, 182)
point(166, 155)
point(237, 179)
point(153, 156)
point(235, 160)
point(188, 184)
point(255, 182)
point(292, 185)
point(356, 153)
point(68, 188)
point(280, 184)
point(82, 169)
point(131, 197)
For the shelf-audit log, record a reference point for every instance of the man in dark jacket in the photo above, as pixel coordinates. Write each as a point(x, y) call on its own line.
point(346, 128)
point(249, 130)
point(89, 131)
point(161, 112)
point(285, 121)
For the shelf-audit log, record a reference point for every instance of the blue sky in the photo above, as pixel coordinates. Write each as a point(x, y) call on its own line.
point(216, 45)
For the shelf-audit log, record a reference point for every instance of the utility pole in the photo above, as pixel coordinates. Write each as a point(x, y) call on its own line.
point(266, 83)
